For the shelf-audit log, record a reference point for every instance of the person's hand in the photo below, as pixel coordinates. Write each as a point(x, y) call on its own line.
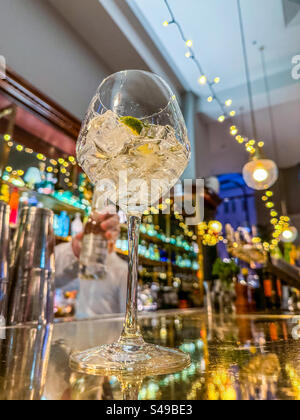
point(109, 223)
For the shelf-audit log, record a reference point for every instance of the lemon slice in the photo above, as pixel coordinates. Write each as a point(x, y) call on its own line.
point(148, 149)
point(134, 124)
point(145, 149)
point(101, 156)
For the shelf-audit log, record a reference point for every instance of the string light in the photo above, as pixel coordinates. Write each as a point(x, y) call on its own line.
point(211, 233)
point(233, 130)
point(202, 80)
point(259, 175)
point(40, 157)
point(215, 226)
point(240, 139)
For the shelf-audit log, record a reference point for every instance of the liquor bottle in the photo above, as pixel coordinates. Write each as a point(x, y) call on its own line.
point(268, 290)
point(56, 226)
point(142, 248)
point(260, 298)
point(64, 224)
point(183, 298)
point(77, 225)
point(277, 287)
point(14, 206)
point(4, 193)
point(156, 253)
point(94, 251)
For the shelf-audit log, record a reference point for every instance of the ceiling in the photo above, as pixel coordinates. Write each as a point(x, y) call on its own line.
point(213, 25)
point(115, 34)
point(129, 33)
point(214, 28)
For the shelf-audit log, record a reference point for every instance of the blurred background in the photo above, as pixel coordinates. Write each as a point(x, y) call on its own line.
point(234, 66)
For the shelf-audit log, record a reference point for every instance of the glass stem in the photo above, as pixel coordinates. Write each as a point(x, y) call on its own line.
point(131, 331)
point(131, 389)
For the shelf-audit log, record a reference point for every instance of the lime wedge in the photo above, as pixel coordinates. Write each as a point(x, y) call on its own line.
point(134, 124)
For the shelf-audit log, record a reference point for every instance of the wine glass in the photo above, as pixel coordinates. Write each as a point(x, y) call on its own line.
point(133, 146)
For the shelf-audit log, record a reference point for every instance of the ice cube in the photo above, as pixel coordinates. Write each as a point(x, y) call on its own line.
point(158, 132)
point(108, 134)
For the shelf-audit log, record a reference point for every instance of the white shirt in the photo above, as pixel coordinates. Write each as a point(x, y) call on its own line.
point(96, 297)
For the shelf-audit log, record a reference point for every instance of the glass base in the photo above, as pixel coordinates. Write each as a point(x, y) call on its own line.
point(119, 358)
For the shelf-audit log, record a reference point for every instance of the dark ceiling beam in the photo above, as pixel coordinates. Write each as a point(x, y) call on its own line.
point(23, 93)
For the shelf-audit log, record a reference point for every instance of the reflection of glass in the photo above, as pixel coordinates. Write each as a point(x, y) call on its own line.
point(259, 377)
point(133, 145)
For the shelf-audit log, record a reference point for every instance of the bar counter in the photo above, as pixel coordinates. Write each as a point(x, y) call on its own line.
point(245, 357)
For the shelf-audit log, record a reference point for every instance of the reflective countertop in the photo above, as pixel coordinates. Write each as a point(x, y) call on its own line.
point(246, 357)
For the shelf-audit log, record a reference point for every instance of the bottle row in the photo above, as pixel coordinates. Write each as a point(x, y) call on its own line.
point(39, 180)
point(157, 291)
point(258, 291)
point(158, 253)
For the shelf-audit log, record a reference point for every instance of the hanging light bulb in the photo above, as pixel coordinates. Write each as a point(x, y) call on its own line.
point(289, 235)
point(260, 174)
